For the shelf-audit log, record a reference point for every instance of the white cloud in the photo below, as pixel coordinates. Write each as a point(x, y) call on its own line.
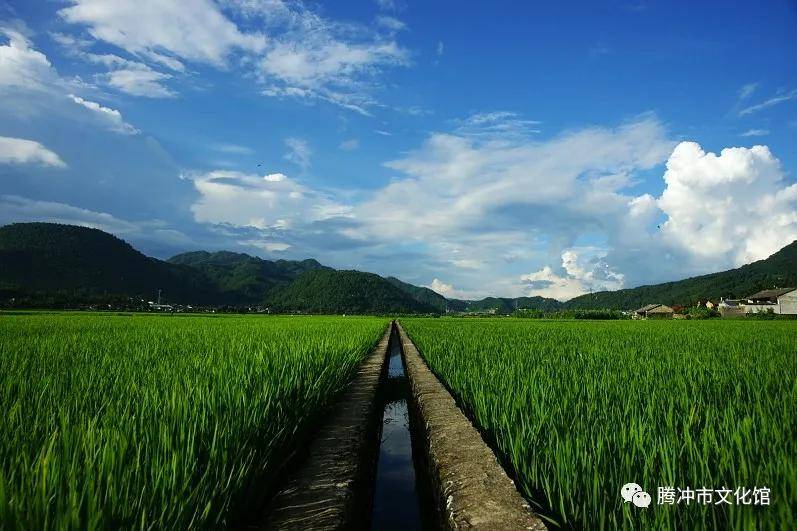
point(272, 202)
point(727, 209)
point(387, 5)
point(450, 292)
point(497, 124)
point(193, 30)
point(70, 42)
point(390, 23)
point(440, 48)
point(579, 276)
point(233, 149)
point(23, 151)
point(508, 214)
point(111, 117)
point(299, 152)
point(771, 102)
point(747, 90)
point(456, 185)
point(267, 245)
point(139, 81)
point(313, 58)
point(350, 144)
point(17, 209)
point(321, 66)
point(22, 67)
point(20, 209)
point(755, 132)
point(131, 77)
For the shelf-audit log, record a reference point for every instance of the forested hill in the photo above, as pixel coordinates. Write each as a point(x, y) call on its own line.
point(39, 260)
point(46, 262)
point(331, 291)
point(777, 271)
point(244, 278)
point(81, 262)
point(422, 295)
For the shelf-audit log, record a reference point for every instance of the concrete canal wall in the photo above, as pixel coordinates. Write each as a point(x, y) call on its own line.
point(331, 489)
point(471, 488)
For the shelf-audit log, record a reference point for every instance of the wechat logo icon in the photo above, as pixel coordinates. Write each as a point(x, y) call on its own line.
point(632, 492)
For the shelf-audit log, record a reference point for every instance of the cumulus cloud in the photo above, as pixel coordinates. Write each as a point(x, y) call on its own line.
point(458, 185)
point(580, 275)
point(510, 215)
point(449, 291)
point(730, 208)
point(23, 151)
point(196, 30)
point(110, 117)
point(22, 67)
point(506, 200)
point(272, 202)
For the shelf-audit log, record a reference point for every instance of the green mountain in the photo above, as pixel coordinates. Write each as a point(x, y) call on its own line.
point(331, 291)
point(243, 278)
point(79, 262)
point(56, 265)
point(424, 296)
point(779, 270)
point(504, 305)
point(46, 261)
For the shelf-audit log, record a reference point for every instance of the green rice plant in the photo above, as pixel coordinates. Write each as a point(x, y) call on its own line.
point(152, 422)
point(578, 409)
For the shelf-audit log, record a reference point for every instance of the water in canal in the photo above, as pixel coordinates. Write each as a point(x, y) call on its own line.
point(398, 494)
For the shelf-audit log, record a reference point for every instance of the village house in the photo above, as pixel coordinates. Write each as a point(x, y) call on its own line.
point(781, 301)
point(731, 308)
point(654, 311)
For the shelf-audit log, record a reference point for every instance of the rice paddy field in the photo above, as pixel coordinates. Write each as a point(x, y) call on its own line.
point(578, 409)
point(151, 422)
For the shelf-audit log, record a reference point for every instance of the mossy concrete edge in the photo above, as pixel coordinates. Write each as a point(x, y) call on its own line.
point(471, 488)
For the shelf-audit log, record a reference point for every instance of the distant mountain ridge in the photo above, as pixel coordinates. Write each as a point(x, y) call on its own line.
point(332, 291)
point(776, 271)
point(84, 264)
point(247, 279)
point(80, 263)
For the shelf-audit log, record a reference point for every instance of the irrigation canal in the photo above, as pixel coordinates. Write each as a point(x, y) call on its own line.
point(402, 499)
point(395, 452)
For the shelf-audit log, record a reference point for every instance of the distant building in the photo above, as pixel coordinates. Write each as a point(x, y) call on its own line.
point(783, 301)
point(731, 308)
point(654, 311)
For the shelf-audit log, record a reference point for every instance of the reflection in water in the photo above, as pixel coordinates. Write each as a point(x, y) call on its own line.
point(396, 504)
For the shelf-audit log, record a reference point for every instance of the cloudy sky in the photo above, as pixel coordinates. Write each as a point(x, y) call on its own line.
point(497, 148)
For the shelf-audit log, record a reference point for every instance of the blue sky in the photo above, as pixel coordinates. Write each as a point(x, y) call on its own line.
point(502, 149)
